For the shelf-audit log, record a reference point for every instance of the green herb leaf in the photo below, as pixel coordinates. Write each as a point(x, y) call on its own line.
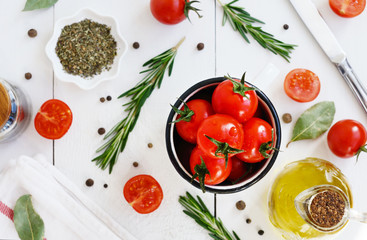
point(197, 210)
point(38, 4)
point(28, 223)
point(314, 121)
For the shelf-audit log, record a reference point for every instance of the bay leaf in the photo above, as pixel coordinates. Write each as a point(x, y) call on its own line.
point(38, 4)
point(28, 223)
point(314, 121)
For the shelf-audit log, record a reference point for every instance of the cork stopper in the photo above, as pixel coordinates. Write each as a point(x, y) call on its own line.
point(5, 106)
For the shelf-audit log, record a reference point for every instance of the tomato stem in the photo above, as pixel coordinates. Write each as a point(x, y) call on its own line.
point(185, 114)
point(188, 7)
point(200, 172)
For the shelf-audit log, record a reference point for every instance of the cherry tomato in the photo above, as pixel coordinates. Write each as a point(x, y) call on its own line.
point(256, 133)
point(222, 128)
point(347, 8)
point(302, 85)
point(225, 100)
point(218, 171)
point(346, 137)
point(188, 129)
point(239, 170)
point(143, 193)
point(53, 119)
point(172, 11)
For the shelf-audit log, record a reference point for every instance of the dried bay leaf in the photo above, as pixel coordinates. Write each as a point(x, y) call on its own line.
point(314, 121)
point(38, 4)
point(28, 223)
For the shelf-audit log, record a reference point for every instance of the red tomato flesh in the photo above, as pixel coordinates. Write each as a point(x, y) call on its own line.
point(216, 166)
point(302, 85)
point(347, 8)
point(143, 193)
point(168, 11)
point(346, 137)
point(239, 170)
point(53, 119)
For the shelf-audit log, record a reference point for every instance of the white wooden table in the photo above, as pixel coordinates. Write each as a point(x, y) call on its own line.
point(225, 52)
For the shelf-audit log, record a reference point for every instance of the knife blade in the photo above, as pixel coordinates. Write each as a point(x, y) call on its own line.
point(329, 44)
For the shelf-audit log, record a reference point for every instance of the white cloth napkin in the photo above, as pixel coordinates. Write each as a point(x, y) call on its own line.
point(65, 210)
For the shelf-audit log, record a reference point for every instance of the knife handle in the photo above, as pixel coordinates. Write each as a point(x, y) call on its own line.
point(353, 82)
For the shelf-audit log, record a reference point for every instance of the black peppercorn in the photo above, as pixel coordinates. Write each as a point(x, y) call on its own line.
point(101, 131)
point(109, 98)
point(287, 118)
point(102, 99)
point(105, 185)
point(248, 220)
point(240, 205)
point(135, 164)
point(32, 33)
point(200, 46)
point(89, 182)
point(28, 75)
point(261, 232)
point(136, 45)
point(285, 26)
point(150, 145)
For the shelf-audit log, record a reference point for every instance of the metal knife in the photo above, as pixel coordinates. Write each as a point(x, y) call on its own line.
point(326, 39)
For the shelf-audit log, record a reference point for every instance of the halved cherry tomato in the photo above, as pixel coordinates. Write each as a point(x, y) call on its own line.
point(239, 170)
point(222, 128)
point(302, 85)
point(347, 8)
point(53, 119)
point(143, 193)
point(191, 117)
point(227, 100)
point(257, 132)
point(218, 171)
point(346, 138)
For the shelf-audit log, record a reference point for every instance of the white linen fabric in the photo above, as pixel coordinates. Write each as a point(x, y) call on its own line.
point(66, 211)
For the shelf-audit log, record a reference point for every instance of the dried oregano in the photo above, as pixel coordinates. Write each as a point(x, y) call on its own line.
point(86, 48)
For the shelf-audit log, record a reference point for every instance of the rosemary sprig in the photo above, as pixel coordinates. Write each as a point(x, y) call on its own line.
point(197, 210)
point(242, 21)
point(118, 135)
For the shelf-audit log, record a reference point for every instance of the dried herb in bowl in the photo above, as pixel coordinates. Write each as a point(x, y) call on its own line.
point(86, 48)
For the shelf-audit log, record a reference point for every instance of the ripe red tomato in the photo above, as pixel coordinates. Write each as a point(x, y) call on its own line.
point(225, 100)
point(218, 171)
point(256, 133)
point(346, 138)
point(53, 119)
point(239, 170)
point(222, 128)
point(143, 193)
point(172, 11)
point(187, 127)
point(302, 85)
point(347, 8)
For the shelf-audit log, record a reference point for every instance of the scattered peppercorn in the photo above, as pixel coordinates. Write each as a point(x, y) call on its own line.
point(200, 46)
point(32, 33)
point(150, 145)
point(101, 131)
point(135, 164)
point(109, 98)
point(240, 205)
point(261, 232)
point(248, 220)
point(287, 118)
point(105, 185)
point(89, 182)
point(285, 26)
point(28, 75)
point(102, 99)
point(136, 45)
point(327, 208)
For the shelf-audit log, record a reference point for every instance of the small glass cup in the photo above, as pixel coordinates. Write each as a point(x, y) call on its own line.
point(14, 111)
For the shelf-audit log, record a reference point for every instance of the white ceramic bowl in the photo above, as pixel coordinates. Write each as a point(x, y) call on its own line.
point(86, 83)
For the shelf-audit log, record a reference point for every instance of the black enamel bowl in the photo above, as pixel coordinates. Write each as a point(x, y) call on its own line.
point(179, 150)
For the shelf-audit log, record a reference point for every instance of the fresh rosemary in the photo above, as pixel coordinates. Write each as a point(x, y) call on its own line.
point(197, 210)
point(118, 135)
point(242, 21)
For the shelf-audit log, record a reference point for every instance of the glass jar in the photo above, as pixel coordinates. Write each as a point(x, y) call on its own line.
point(297, 177)
point(14, 111)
